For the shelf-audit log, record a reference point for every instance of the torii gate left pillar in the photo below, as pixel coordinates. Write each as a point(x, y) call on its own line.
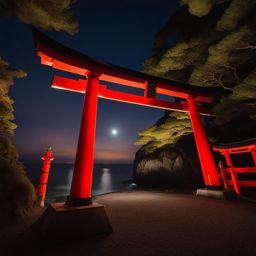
point(80, 193)
point(69, 223)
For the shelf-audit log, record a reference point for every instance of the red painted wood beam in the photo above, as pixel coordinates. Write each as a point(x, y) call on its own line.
point(236, 150)
point(254, 156)
point(139, 100)
point(80, 86)
point(235, 181)
point(83, 171)
point(223, 174)
point(68, 84)
point(62, 63)
point(241, 169)
point(172, 91)
point(243, 183)
point(123, 81)
point(208, 166)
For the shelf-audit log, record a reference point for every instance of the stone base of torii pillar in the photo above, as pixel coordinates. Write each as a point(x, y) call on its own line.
point(60, 222)
point(227, 194)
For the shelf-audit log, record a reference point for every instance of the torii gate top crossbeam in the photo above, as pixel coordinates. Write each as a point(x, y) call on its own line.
point(54, 54)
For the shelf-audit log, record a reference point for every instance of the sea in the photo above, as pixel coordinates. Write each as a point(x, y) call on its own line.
point(106, 178)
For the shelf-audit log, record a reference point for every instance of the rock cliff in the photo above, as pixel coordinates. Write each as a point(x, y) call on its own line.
point(169, 166)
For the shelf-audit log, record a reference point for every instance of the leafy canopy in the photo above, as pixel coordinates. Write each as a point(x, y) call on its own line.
point(211, 44)
point(46, 14)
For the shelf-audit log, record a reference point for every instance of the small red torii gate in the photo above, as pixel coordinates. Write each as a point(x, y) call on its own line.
point(63, 58)
point(228, 149)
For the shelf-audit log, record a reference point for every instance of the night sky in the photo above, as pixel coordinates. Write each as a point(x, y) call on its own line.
point(119, 32)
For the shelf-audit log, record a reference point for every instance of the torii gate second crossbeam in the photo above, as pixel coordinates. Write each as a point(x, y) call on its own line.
point(95, 73)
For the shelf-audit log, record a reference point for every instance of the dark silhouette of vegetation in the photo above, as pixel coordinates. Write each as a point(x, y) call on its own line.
point(50, 14)
point(213, 44)
point(17, 193)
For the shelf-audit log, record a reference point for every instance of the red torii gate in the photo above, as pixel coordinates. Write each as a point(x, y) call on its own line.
point(241, 147)
point(63, 58)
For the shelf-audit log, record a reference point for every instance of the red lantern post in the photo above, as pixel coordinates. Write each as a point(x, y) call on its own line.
point(41, 189)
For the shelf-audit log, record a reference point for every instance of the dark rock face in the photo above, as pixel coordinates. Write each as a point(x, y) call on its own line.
point(169, 166)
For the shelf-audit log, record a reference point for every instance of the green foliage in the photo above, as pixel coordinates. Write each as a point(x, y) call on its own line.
point(224, 60)
point(16, 191)
point(234, 14)
point(7, 76)
point(198, 7)
point(241, 103)
point(166, 131)
point(246, 90)
point(17, 194)
point(181, 57)
point(216, 47)
point(201, 8)
point(50, 14)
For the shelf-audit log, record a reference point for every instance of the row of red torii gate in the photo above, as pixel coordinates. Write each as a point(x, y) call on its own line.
point(95, 73)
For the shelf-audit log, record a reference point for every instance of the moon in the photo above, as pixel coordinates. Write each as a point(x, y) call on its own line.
point(114, 132)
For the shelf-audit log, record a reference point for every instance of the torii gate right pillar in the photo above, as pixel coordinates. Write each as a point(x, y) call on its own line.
point(210, 174)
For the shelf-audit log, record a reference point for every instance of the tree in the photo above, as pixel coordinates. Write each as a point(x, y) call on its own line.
point(212, 44)
point(17, 193)
point(50, 14)
point(166, 131)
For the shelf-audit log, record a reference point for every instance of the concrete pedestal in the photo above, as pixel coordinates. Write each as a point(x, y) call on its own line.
point(60, 222)
point(217, 194)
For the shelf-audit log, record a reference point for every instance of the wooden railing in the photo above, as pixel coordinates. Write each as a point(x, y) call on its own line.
point(228, 168)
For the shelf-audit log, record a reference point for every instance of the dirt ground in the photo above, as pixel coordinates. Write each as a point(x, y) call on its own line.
point(158, 223)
